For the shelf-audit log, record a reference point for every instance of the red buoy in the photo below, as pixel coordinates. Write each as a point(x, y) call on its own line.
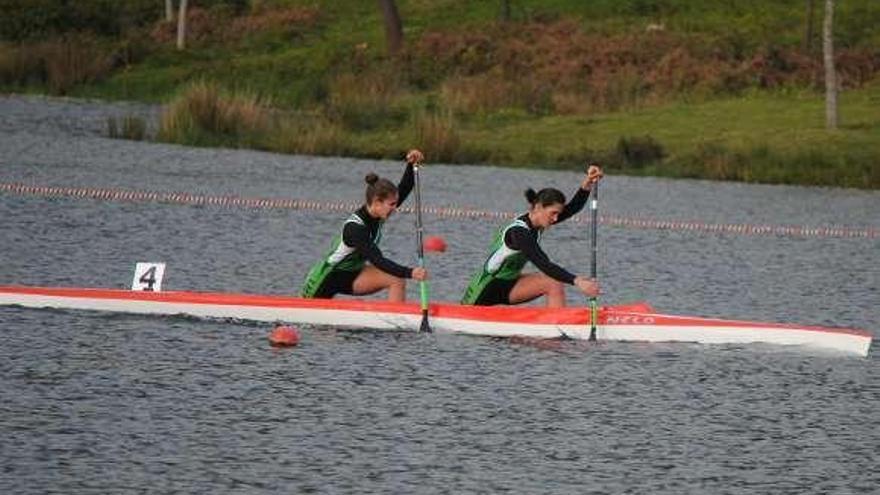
point(284, 336)
point(435, 244)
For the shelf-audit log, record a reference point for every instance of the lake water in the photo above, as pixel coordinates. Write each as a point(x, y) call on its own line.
point(95, 403)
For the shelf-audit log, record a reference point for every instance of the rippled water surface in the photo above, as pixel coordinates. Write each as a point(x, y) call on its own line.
point(97, 403)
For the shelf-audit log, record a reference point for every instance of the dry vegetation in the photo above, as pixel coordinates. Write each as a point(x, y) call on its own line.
point(282, 76)
point(207, 26)
point(557, 68)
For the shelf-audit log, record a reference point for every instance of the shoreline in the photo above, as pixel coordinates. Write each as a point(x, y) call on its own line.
point(508, 144)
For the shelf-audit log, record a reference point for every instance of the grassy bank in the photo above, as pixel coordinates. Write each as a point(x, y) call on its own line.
point(758, 137)
point(679, 88)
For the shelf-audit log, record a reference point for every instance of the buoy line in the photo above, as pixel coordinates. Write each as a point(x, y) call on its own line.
point(126, 195)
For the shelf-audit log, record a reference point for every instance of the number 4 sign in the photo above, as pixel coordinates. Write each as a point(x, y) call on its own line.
point(148, 276)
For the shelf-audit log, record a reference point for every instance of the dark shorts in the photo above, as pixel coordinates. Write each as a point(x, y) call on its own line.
point(496, 292)
point(337, 282)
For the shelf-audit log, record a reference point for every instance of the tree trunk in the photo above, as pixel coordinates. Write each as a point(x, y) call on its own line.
point(181, 26)
point(808, 32)
point(505, 10)
point(169, 10)
point(393, 26)
point(830, 71)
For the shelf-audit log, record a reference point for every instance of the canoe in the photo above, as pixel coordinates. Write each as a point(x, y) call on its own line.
point(631, 322)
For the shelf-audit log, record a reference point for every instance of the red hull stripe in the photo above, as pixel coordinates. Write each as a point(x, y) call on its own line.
point(218, 298)
point(637, 314)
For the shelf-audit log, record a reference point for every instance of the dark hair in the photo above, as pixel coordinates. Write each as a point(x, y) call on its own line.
point(378, 188)
point(546, 197)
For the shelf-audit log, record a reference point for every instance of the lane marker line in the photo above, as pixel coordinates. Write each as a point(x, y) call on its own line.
point(176, 198)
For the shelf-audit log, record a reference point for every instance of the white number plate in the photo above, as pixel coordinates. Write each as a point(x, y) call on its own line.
point(148, 276)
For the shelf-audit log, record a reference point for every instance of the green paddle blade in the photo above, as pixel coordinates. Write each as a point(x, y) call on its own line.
point(423, 291)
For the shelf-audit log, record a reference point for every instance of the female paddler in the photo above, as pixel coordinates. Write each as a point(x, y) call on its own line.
point(500, 279)
point(354, 264)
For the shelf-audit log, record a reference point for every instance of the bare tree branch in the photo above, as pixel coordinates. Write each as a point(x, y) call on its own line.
point(831, 114)
point(808, 31)
point(181, 26)
point(393, 26)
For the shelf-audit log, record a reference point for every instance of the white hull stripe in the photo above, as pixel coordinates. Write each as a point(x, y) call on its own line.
point(622, 323)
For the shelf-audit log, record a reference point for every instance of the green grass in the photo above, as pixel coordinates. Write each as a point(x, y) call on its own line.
point(796, 121)
point(773, 135)
point(293, 69)
point(776, 138)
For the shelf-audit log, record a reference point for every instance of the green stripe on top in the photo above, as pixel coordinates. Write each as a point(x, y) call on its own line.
point(503, 263)
point(340, 257)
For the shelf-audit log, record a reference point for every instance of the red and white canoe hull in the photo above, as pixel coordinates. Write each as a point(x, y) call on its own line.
point(636, 322)
point(639, 323)
point(668, 328)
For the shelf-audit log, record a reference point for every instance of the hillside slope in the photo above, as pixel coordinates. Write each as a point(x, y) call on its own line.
point(711, 89)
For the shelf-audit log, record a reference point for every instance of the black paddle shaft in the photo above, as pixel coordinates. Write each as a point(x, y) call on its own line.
point(594, 224)
point(423, 286)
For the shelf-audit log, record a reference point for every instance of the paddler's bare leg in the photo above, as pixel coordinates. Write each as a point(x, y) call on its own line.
point(372, 279)
point(535, 285)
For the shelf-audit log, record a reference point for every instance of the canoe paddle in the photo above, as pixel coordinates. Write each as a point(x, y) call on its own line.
point(594, 223)
point(423, 285)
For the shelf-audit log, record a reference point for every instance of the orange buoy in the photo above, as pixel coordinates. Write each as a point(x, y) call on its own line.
point(435, 244)
point(283, 336)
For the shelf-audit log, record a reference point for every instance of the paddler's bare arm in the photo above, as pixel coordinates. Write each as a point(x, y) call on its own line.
point(576, 204)
point(587, 285)
point(404, 187)
point(594, 175)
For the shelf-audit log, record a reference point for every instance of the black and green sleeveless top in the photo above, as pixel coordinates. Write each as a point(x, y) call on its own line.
point(516, 244)
point(358, 243)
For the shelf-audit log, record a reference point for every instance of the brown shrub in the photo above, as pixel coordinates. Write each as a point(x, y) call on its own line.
point(60, 64)
point(201, 25)
point(286, 19)
point(773, 67)
point(131, 127)
point(571, 103)
point(377, 88)
point(857, 67)
point(316, 137)
point(73, 61)
point(218, 25)
point(437, 135)
point(478, 94)
point(204, 109)
point(367, 100)
point(557, 65)
point(19, 66)
point(462, 53)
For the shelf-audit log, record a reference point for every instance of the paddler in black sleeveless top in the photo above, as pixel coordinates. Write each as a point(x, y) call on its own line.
point(354, 264)
point(500, 279)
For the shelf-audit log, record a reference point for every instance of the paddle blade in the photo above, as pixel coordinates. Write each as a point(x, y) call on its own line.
point(423, 295)
point(425, 327)
point(594, 318)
